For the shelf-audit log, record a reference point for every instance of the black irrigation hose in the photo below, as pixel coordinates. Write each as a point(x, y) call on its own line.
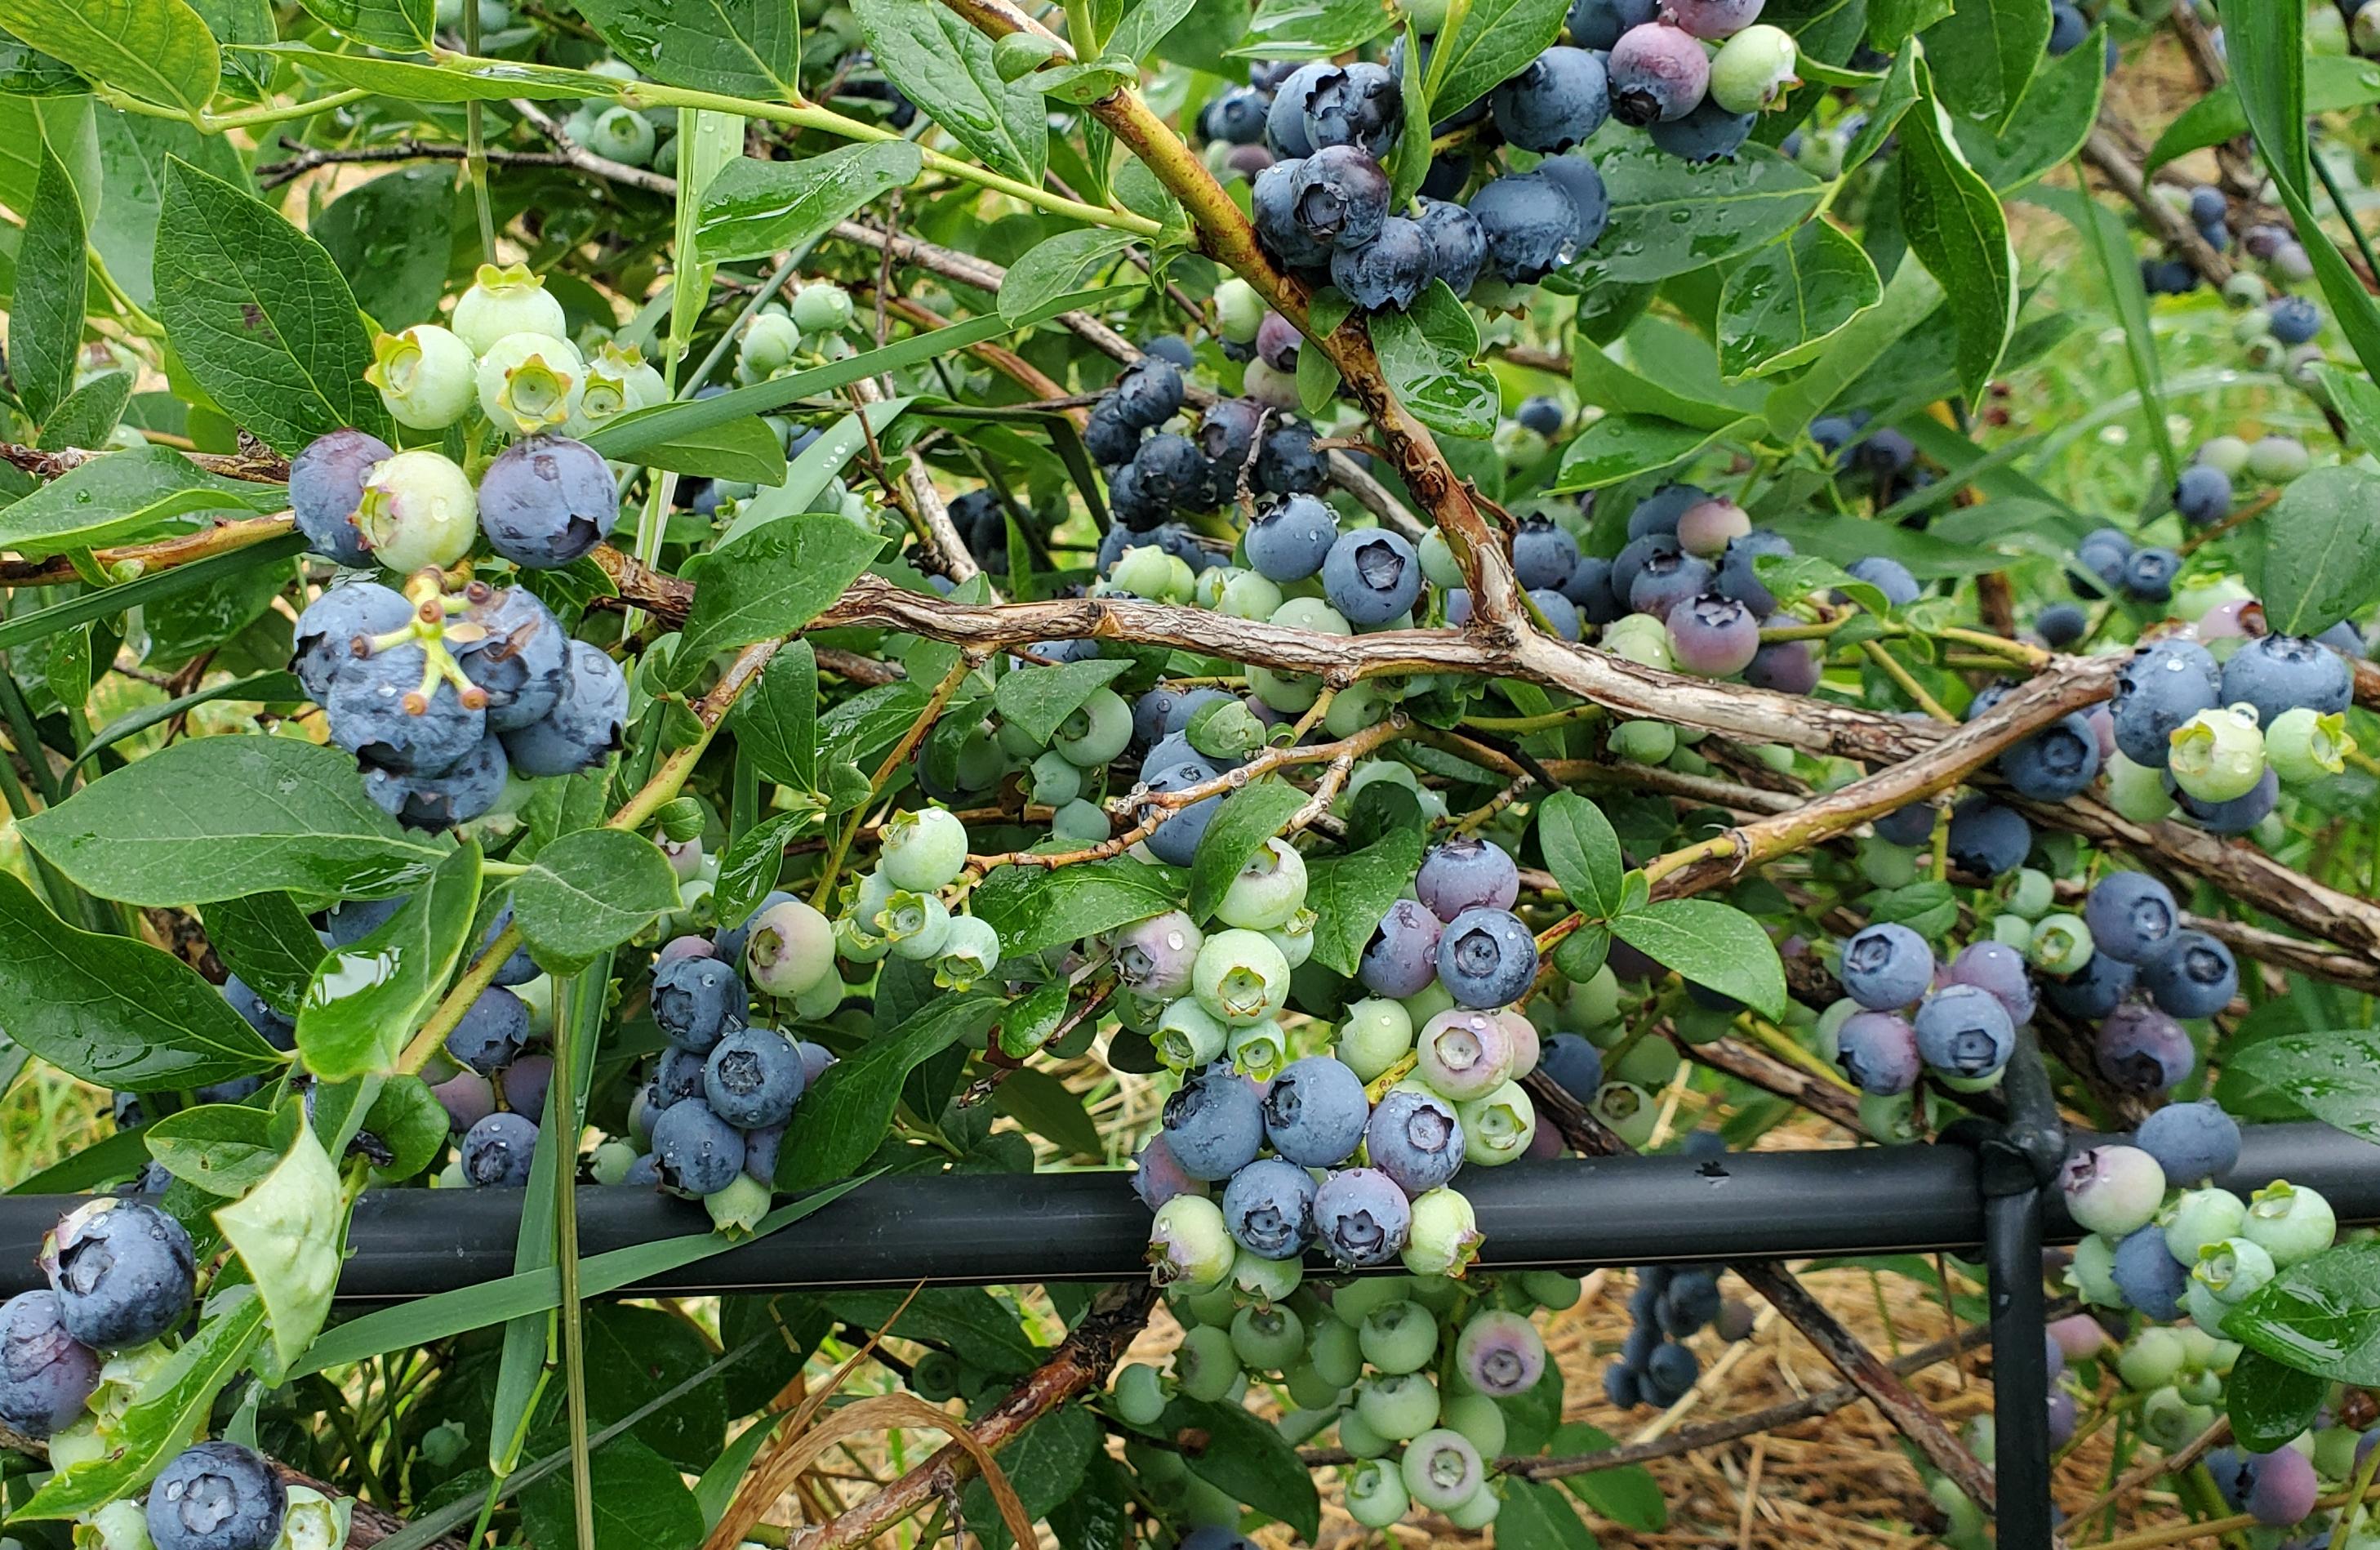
point(996, 1228)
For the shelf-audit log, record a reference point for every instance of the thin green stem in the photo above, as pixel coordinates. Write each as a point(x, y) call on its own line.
point(2346, 214)
point(277, 113)
point(474, 142)
point(567, 997)
point(851, 826)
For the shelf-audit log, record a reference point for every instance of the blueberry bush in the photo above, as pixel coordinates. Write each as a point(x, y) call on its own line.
point(618, 597)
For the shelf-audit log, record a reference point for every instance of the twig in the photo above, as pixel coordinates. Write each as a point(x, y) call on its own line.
point(2102, 152)
point(2198, 1448)
point(586, 160)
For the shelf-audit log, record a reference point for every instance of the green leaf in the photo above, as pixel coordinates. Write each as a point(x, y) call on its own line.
point(1490, 42)
point(1052, 267)
point(755, 207)
point(1602, 380)
point(775, 724)
point(1144, 27)
point(638, 1354)
point(1049, 1109)
point(45, 311)
point(1714, 945)
point(368, 997)
point(2320, 1316)
point(1349, 893)
point(1891, 23)
point(2355, 399)
point(588, 891)
point(1668, 217)
point(1583, 853)
point(640, 1501)
point(1893, 100)
point(1984, 54)
point(1034, 907)
point(1628, 1495)
point(26, 71)
point(403, 26)
point(2060, 111)
point(1046, 1466)
point(264, 940)
point(115, 1011)
point(771, 583)
point(260, 315)
point(222, 1148)
point(1781, 306)
point(749, 868)
point(133, 152)
point(944, 66)
point(1312, 29)
point(2271, 1402)
point(174, 1403)
point(393, 238)
point(158, 50)
point(1038, 700)
point(1621, 446)
point(1248, 817)
point(824, 459)
point(139, 493)
point(739, 48)
point(1426, 354)
point(967, 1320)
point(120, 1156)
point(217, 818)
point(745, 449)
point(2332, 1075)
point(90, 415)
point(844, 1118)
point(1250, 1460)
point(1910, 297)
point(287, 1231)
point(1318, 378)
point(1957, 230)
point(2320, 544)
point(1537, 1516)
point(409, 1121)
point(2333, 83)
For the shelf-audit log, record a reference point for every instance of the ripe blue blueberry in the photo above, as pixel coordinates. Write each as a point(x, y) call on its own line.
point(2194, 976)
point(1147, 393)
point(1668, 578)
point(1416, 1138)
point(277, 1029)
point(2203, 495)
point(1401, 957)
point(1575, 1065)
point(123, 1271)
point(496, 1152)
point(1964, 1030)
point(2132, 917)
point(1237, 118)
point(2055, 762)
point(2234, 817)
point(1739, 573)
point(1998, 970)
point(2191, 1142)
point(2295, 320)
point(1287, 463)
point(1360, 1217)
point(1339, 196)
point(1988, 838)
point(332, 625)
point(2147, 1275)
point(2282, 673)
point(1543, 415)
point(520, 659)
point(1656, 71)
point(1175, 840)
point(1458, 244)
point(698, 1153)
point(1214, 1122)
point(2141, 1049)
point(2061, 625)
point(547, 500)
point(491, 1032)
point(1710, 133)
point(753, 1078)
point(1670, 1372)
point(1371, 576)
point(1878, 1050)
point(697, 999)
point(1314, 1111)
point(1599, 23)
point(1486, 958)
point(586, 725)
point(1714, 636)
point(1529, 222)
point(376, 711)
point(216, 1495)
point(1466, 872)
point(1886, 966)
point(462, 792)
point(326, 486)
point(1388, 271)
point(1357, 105)
point(2103, 553)
point(1888, 576)
point(1556, 101)
point(1589, 591)
point(1787, 667)
point(1109, 437)
point(46, 1376)
point(1543, 555)
point(1268, 1209)
point(2149, 573)
point(1285, 120)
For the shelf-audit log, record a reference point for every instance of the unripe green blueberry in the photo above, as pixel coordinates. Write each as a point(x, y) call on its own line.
point(1437, 561)
point(1358, 1437)
point(1628, 1111)
point(2062, 944)
point(2289, 1221)
point(2167, 1418)
point(622, 135)
point(1267, 1338)
point(1249, 595)
point(530, 382)
point(2031, 894)
point(2228, 453)
point(2364, 36)
point(1436, 1293)
point(1399, 1406)
point(1643, 742)
point(819, 1002)
point(1055, 779)
point(1890, 1117)
point(418, 509)
point(1478, 1512)
point(1239, 310)
point(1240, 977)
point(1478, 1417)
point(1306, 1388)
point(1015, 741)
point(2230, 1271)
point(611, 1162)
point(1358, 706)
point(768, 346)
point(505, 300)
point(1885, 865)
point(1375, 1034)
point(1443, 1470)
point(2264, 353)
point(1295, 937)
point(915, 924)
point(820, 307)
point(1189, 1037)
point(1592, 1005)
point(1650, 1063)
point(1642, 638)
point(1444, 1235)
point(854, 941)
point(1336, 1348)
point(2305, 744)
point(1823, 155)
point(2155, 1358)
point(738, 1208)
point(2197, 1217)
point(1427, 16)
point(1208, 1305)
point(1375, 1489)
point(2244, 289)
point(789, 948)
point(1753, 69)
point(2252, 326)
point(1259, 1050)
point(1266, 1280)
point(1498, 1128)
point(1400, 1336)
point(1205, 1363)
point(1268, 889)
point(1080, 823)
point(2092, 1273)
point(970, 952)
point(2137, 790)
point(1137, 1396)
point(925, 848)
point(1145, 571)
point(426, 376)
point(1189, 1246)
point(1224, 729)
point(1097, 732)
point(2217, 755)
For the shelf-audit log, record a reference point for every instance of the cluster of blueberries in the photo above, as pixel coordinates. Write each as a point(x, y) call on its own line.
point(1413, 1370)
point(1671, 1304)
point(123, 1276)
point(1239, 450)
point(1312, 139)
